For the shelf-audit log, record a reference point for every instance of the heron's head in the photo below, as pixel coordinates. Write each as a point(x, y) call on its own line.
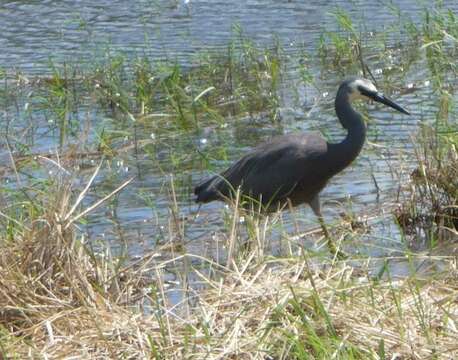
point(364, 89)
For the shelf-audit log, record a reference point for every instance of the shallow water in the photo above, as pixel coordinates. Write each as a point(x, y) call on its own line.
point(35, 31)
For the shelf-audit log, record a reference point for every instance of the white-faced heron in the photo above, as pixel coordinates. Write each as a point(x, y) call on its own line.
point(296, 167)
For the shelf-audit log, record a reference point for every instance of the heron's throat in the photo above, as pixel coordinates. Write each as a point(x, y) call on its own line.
point(346, 151)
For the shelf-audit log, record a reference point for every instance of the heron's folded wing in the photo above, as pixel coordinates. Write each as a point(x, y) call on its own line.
point(270, 172)
point(275, 175)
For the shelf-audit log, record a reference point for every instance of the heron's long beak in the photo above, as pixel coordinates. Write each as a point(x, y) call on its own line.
point(384, 100)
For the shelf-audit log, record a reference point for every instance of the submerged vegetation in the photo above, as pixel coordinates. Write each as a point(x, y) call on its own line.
point(64, 294)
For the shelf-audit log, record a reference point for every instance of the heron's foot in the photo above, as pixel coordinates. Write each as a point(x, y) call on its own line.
point(339, 254)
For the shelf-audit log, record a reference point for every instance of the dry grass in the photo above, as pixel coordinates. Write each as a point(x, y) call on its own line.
point(58, 299)
point(331, 314)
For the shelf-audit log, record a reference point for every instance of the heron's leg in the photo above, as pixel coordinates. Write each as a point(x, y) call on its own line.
point(196, 215)
point(315, 205)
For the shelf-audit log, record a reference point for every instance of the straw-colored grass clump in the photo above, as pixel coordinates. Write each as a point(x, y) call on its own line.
point(289, 311)
point(58, 299)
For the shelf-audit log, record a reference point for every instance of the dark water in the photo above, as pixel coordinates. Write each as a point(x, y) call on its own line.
point(32, 32)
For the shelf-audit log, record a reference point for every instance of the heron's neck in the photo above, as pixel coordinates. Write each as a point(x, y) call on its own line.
point(345, 152)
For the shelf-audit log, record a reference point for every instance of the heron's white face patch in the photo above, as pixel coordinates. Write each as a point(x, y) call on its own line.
point(355, 93)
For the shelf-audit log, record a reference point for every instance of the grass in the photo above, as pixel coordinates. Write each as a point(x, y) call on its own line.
point(430, 207)
point(62, 296)
point(431, 197)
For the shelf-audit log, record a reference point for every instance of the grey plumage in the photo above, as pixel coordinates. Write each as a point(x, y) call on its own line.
point(296, 167)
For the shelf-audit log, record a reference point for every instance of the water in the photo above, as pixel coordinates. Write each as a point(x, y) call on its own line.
point(141, 218)
point(34, 31)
